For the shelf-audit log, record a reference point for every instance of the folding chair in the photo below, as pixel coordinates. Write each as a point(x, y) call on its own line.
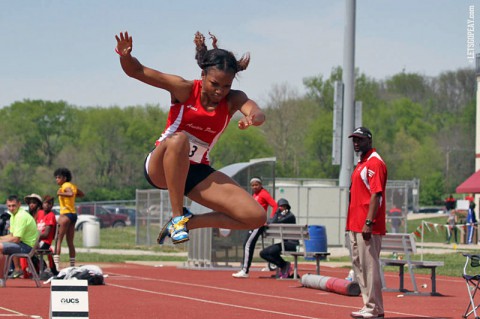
point(47, 252)
point(473, 283)
point(29, 258)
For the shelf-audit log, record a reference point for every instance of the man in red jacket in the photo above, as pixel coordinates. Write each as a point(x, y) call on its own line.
point(366, 222)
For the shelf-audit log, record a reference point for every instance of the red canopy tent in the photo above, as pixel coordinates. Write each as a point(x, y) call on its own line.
point(470, 185)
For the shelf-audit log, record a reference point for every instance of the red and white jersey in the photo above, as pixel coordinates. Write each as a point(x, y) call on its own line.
point(264, 198)
point(369, 177)
point(203, 128)
point(46, 219)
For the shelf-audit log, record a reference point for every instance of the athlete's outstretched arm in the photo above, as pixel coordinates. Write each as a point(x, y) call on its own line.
point(178, 87)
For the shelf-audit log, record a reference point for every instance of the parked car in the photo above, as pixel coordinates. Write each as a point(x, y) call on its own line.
point(130, 212)
point(107, 218)
point(81, 219)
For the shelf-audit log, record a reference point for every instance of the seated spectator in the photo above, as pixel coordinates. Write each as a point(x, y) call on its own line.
point(21, 239)
point(272, 253)
point(47, 226)
point(34, 203)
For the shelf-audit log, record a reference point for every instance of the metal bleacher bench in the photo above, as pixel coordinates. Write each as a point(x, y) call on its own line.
point(294, 232)
point(405, 244)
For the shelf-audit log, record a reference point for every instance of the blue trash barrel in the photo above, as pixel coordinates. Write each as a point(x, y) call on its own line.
point(317, 241)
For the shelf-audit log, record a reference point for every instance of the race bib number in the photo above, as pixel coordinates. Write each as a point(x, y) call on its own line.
point(198, 148)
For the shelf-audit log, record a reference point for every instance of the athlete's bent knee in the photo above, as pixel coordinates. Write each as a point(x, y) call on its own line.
point(259, 219)
point(178, 143)
point(179, 138)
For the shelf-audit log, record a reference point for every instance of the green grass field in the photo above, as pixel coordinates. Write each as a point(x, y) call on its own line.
point(122, 239)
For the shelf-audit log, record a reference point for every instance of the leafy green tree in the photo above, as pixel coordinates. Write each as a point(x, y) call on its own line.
point(113, 144)
point(320, 90)
point(431, 189)
point(408, 85)
point(288, 121)
point(41, 127)
point(318, 142)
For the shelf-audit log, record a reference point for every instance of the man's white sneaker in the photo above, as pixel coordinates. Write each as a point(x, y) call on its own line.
point(364, 313)
point(240, 274)
point(358, 314)
point(2, 283)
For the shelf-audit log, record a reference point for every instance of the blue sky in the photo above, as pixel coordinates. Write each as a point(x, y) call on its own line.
point(64, 50)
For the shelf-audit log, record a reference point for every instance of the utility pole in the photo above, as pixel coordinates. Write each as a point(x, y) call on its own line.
point(348, 76)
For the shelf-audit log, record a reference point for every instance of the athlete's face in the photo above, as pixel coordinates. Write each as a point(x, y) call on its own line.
point(216, 84)
point(60, 180)
point(47, 206)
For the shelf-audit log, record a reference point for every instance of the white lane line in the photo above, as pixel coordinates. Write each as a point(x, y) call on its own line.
point(14, 313)
point(255, 294)
point(214, 302)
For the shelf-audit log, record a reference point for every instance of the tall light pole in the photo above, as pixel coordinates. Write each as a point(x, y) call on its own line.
point(348, 75)
point(477, 134)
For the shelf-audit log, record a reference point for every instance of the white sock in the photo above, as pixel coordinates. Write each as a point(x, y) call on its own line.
point(56, 261)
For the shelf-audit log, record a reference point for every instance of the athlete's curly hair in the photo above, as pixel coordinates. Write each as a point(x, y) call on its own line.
point(63, 172)
point(221, 59)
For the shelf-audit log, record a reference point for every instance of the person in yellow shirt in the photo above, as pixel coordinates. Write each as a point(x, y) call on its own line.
point(67, 193)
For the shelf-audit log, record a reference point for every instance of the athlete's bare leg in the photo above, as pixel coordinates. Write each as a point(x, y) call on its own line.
point(63, 224)
point(70, 235)
point(232, 206)
point(168, 168)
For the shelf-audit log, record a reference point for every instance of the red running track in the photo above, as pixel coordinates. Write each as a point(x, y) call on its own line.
point(137, 291)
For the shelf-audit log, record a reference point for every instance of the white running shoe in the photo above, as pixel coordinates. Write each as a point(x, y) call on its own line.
point(240, 274)
point(365, 313)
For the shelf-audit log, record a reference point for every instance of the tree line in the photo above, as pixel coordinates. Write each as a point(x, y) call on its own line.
point(422, 127)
